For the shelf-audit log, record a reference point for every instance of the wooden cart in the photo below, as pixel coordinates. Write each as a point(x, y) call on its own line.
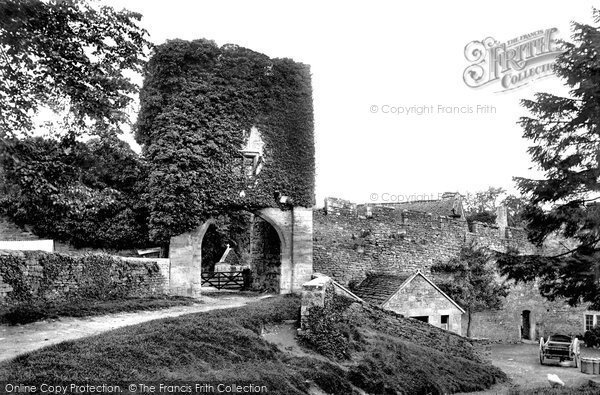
point(561, 347)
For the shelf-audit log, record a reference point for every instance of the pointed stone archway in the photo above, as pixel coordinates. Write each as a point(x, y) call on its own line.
point(294, 228)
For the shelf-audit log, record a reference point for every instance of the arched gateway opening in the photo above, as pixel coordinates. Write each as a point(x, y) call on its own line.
point(241, 251)
point(274, 245)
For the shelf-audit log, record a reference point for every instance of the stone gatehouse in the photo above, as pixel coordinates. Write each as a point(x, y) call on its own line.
point(353, 241)
point(294, 230)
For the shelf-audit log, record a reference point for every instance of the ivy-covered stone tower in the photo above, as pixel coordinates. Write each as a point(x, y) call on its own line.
point(226, 129)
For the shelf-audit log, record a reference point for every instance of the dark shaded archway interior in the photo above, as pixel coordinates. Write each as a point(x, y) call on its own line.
point(255, 244)
point(213, 247)
point(526, 324)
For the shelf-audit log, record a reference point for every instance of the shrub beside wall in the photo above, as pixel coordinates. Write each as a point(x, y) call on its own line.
point(37, 277)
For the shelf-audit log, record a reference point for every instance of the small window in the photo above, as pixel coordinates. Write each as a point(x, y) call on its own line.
point(252, 163)
point(423, 318)
point(589, 322)
point(444, 321)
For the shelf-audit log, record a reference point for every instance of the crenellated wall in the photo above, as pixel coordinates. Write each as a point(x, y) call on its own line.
point(352, 240)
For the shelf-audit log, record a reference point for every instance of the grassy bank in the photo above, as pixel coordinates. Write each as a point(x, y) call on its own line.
point(589, 389)
point(87, 307)
point(226, 346)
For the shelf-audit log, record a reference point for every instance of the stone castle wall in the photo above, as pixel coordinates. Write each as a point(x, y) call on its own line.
point(351, 241)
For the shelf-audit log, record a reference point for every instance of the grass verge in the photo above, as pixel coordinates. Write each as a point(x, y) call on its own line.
point(588, 389)
point(226, 346)
point(87, 307)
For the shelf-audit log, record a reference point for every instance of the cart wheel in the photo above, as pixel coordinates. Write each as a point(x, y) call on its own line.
point(541, 350)
point(576, 353)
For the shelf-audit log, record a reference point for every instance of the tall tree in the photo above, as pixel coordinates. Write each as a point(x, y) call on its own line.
point(481, 206)
point(566, 136)
point(67, 54)
point(471, 281)
point(515, 205)
point(87, 194)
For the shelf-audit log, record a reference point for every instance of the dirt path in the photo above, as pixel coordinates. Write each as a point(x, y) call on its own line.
point(20, 339)
point(522, 365)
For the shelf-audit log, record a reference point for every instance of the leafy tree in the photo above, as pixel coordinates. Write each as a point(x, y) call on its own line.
point(566, 147)
point(473, 282)
point(481, 206)
point(69, 54)
point(87, 194)
point(515, 205)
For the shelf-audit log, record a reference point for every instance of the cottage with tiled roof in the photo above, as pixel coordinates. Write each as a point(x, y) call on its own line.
point(412, 295)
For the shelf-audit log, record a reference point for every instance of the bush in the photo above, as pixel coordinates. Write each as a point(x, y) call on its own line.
point(592, 337)
point(330, 331)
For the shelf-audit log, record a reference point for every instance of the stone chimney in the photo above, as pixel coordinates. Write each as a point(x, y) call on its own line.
point(501, 217)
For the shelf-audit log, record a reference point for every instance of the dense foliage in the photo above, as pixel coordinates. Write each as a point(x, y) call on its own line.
point(198, 104)
point(481, 206)
point(87, 194)
point(592, 337)
point(331, 332)
point(566, 143)
point(67, 54)
point(472, 281)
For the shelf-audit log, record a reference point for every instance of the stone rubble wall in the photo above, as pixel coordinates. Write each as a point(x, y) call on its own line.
point(352, 240)
point(39, 277)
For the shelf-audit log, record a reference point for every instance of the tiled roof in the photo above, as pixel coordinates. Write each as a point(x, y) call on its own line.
point(377, 289)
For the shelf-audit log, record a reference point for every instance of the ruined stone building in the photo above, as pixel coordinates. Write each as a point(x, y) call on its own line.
point(358, 244)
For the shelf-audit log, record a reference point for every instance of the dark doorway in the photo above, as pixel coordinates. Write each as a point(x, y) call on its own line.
point(424, 318)
point(213, 247)
point(526, 325)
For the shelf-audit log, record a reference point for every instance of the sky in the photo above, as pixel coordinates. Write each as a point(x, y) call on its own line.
point(371, 58)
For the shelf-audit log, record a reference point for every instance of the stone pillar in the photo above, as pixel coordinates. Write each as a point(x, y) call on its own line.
point(185, 253)
point(313, 294)
point(302, 254)
point(502, 220)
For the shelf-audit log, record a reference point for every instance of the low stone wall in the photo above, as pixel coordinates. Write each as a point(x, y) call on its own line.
point(39, 277)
